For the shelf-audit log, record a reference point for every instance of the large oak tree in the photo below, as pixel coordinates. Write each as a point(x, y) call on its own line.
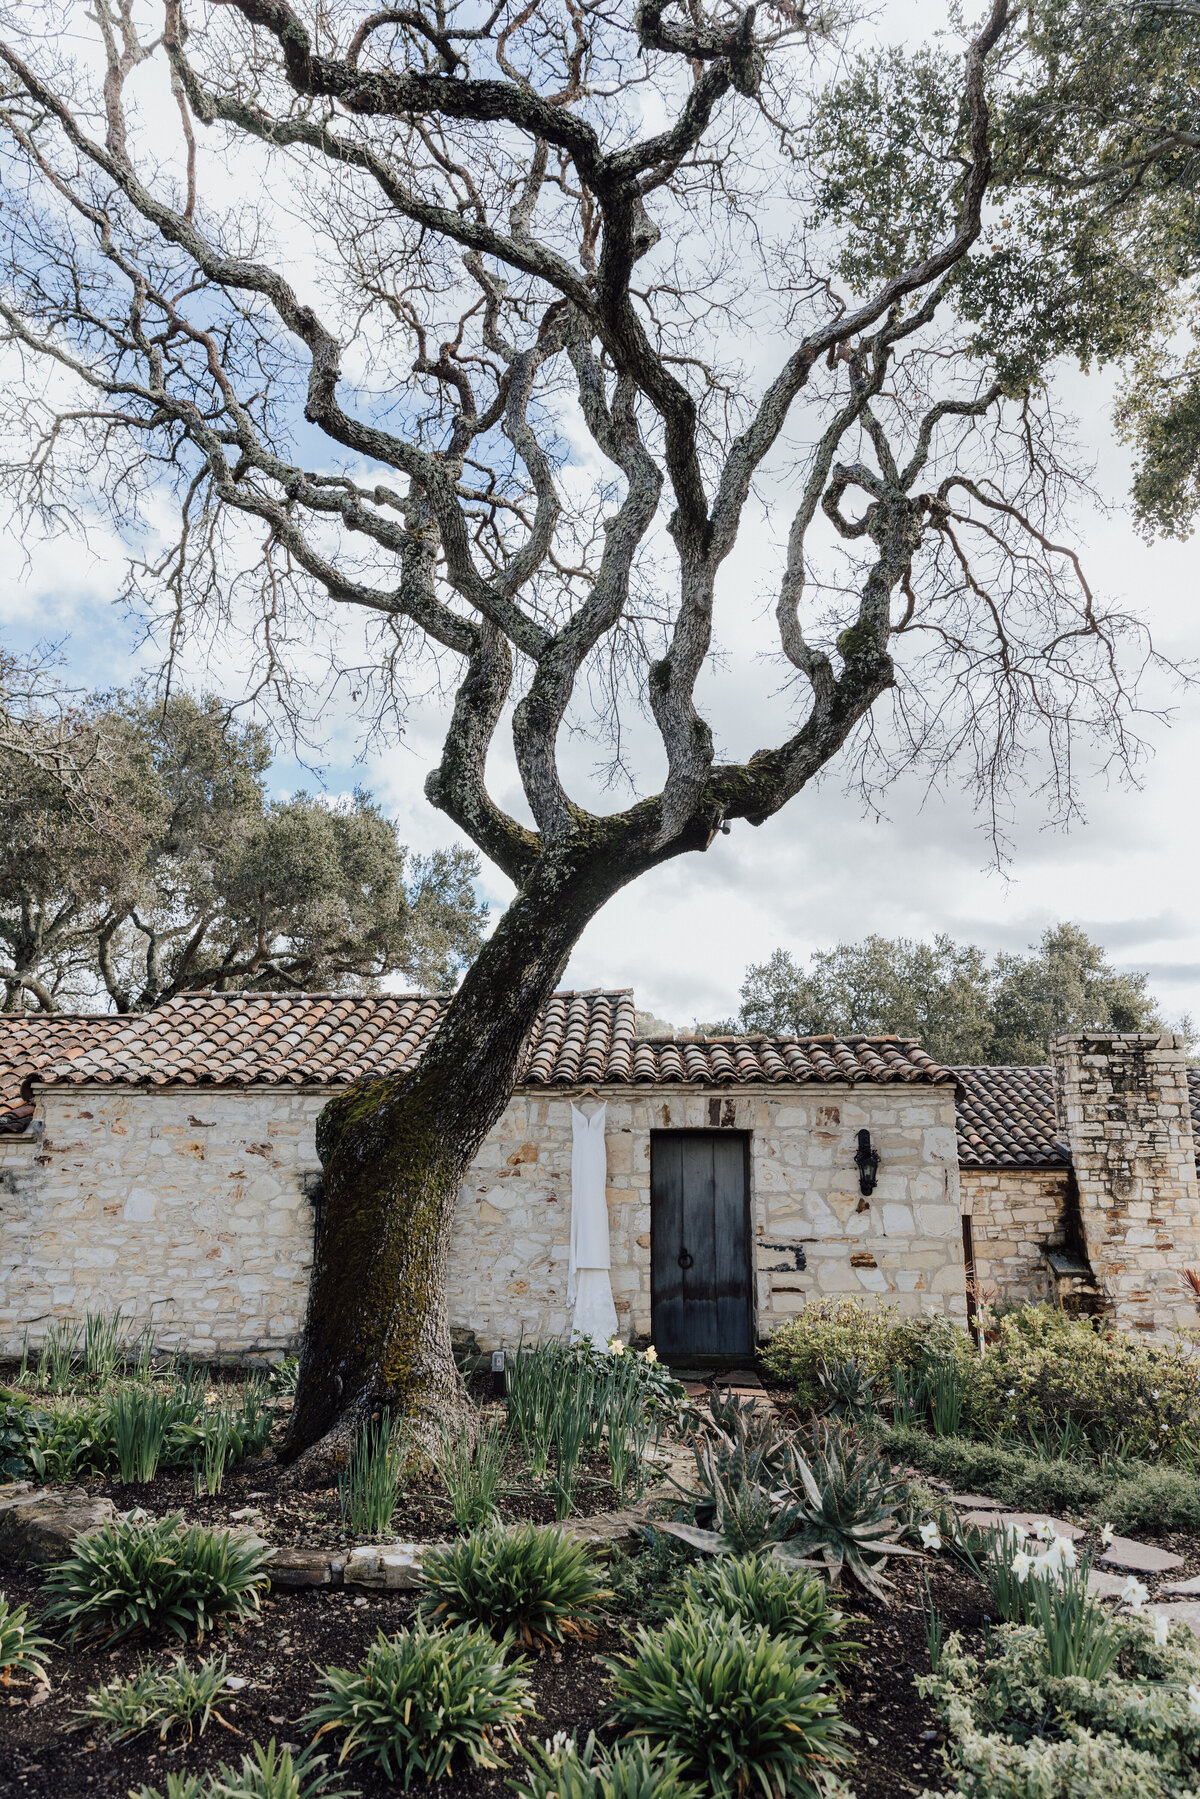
point(467, 339)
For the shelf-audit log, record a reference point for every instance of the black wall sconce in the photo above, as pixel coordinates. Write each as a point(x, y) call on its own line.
point(866, 1160)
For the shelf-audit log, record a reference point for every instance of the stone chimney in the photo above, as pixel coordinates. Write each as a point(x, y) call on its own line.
point(1124, 1112)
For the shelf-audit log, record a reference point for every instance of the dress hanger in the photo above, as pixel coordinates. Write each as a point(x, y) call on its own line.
point(588, 1093)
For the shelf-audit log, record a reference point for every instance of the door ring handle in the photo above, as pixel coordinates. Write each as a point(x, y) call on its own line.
point(685, 1260)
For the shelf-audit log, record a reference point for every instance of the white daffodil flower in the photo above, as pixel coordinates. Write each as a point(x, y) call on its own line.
point(1106, 1536)
point(1064, 1549)
point(1044, 1531)
point(650, 1354)
point(931, 1536)
point(1021, 1564)
point(615, 1346)
point(1162, 1629)
point(1135, 1592)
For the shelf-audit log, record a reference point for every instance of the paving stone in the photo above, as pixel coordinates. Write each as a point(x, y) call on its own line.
point(39, 1524)
point(295, 1568)
point(1184, 1586)
point(605, 1528)
point(1026, 1521)
point(1106, 1586)
point(395, 1566)
point(695, 1389)
point(1184, 1613)
point(977, 1502)
point(1142, 1558)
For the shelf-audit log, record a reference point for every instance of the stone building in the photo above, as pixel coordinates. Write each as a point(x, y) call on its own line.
point(165, 1164)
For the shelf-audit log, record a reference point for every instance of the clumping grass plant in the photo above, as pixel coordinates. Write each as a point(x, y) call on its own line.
point(744, 1710)
point(139, 1421)
point(148, 1574)
point(757, 1591)
point(103, 1344)
point(471, 1472)
point(265, 1773)
point(559, 1769)
point(533, 1582)
point(22, 1650)
point(422, 1700)
point(157, 1698)
point(370, 1486)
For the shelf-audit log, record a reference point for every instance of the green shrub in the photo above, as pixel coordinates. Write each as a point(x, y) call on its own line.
point(537, 1583)
point(832, 1331)
point(561, 1770)
point(423, 1698)
point(157, 1699)
point(1009, 1474)
point(22, 1650)
point(743, 1710)
point(1016, 1730)
point(142, 1574)
point(1159, 1500)
point(1050, 1372)
point(758, 1591)
point(268, 1773)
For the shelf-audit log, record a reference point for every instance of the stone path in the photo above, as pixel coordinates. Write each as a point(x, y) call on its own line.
point(1140, 1558)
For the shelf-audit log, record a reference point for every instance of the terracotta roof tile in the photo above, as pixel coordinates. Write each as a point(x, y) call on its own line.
point(1006, 1119)
point(233, 1040)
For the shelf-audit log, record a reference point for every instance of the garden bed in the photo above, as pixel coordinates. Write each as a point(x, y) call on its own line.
point(917, 1700)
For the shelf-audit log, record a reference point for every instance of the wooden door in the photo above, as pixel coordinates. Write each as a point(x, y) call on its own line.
point(700, 1269)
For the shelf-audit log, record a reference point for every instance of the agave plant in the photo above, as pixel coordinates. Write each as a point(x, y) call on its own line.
point(743, 1498)
point(850, 1501)
point(849, 1390)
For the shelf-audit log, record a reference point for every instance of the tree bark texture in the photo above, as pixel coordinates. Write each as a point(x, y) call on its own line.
point(394, 1152)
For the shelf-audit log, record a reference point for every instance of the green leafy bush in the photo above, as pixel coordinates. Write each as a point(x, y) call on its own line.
point(1159, 1500)
point(423, 1698)
point(145, 1574)
point(757, 1591)
point(268, 1773)
point(536, 1583)
point(561, 1770)
point(876, 1338)
point(22, 1650)
point(19, 1426)
point(1052, 1369)
point(157, 1699)
point(744, 1710)
point(1016, 1730)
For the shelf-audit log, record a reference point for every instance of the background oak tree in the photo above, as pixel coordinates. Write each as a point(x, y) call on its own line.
point(466, 341)
point(163, 868)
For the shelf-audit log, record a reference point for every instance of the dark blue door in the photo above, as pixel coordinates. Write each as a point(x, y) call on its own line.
point(700, 1266)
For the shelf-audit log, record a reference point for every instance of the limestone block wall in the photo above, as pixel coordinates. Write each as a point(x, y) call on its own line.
point(813, 1233)
point(1122, 1103)
point(1014, 1213)
point(194, 1209)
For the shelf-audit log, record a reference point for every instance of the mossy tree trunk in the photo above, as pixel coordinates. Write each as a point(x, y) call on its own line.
point(394, 1153)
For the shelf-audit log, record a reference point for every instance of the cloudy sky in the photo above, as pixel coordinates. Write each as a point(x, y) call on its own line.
point(823, 871)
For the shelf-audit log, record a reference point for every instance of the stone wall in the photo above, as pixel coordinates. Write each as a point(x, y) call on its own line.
point(194, 1209)
point(1014, 1214)
point(1122, 1103)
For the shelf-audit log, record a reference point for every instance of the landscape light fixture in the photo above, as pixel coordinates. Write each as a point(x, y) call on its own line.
point(866, 1160)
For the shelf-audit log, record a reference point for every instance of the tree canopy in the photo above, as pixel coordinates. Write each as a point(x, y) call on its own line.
point(182, 874)
point(966, 1007)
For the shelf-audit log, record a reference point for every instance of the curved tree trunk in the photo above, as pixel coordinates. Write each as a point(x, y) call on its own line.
point(394, 1151)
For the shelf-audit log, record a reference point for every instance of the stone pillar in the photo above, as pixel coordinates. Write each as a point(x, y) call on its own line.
point(1123, 1109)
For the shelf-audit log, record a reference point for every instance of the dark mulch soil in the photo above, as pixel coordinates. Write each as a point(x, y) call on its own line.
point(284, 1515)
point(42, 1757)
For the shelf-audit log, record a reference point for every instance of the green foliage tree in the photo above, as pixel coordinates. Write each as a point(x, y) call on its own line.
point(1092, 246)
point(189, 877)
point(964, 1007)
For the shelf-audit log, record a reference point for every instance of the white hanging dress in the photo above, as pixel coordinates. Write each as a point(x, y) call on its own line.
point(589, 1287)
